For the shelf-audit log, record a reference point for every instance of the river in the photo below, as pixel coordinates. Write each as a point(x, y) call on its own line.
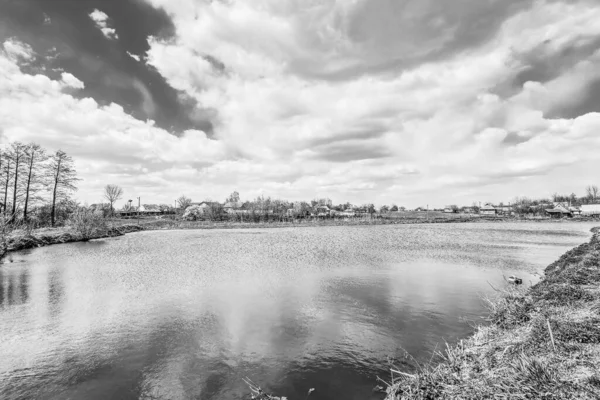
point(188, 314)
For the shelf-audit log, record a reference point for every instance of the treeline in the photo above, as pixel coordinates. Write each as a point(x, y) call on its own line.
point(263, 209)
point(525, 205)
point(36, 185)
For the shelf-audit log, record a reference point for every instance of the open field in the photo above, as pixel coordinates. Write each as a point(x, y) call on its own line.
point(542, 342)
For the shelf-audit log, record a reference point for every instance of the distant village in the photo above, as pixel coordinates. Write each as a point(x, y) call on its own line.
point(37, 187)
point(234, 209)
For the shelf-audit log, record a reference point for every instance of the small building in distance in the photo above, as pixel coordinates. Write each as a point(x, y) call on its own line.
point(559, 212)
point(322, 211)
point(488, 209)
point(590, 209)
point(232, 207)
point(575, 210)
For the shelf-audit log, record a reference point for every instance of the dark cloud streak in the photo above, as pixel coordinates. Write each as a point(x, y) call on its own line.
point(109, 74)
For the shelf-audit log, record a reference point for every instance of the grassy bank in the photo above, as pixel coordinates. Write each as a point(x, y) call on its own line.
point(541, 343)
point(20, 239)
point(167, 224)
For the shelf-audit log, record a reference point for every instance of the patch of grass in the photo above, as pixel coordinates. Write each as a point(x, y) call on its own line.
point(511, 310)
point(562, 294)
point(542, 343)
point(567, 331)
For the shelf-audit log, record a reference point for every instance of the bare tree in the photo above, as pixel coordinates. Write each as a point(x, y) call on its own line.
point(184, 202)
point(592, 192)
point(112, 193)
point(5, 169)
point(62, 176)
point(34, 158)
point(17, 154)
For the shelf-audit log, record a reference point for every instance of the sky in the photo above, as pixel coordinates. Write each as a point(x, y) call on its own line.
point(411, 102)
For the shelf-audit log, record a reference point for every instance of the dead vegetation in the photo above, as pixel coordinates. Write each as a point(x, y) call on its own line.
point(20, 239)
point(541, 343)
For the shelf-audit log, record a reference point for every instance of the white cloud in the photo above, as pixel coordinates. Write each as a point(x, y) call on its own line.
point(107, 143)
point(134, 56)
point(101, 20)
point(291, 121)
point(17, 51)
point(435, 118)
point(71, 81)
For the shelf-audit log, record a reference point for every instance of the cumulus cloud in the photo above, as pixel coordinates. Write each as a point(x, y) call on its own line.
point(134, 56)
point(440, 118)
point(71, 81)
point(17, 51)
point(107, 143)
point(101, 20)
point(326, 98)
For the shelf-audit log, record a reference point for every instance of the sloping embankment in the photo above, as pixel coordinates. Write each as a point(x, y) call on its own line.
point(46, 237)
point(542, 342)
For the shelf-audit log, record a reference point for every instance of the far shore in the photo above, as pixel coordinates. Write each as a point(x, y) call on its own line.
point(22, 240)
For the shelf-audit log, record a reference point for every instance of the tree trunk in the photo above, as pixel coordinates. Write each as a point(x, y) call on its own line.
point(14, 207)
point(6, 186)
point(53, 212)
point(28, 186)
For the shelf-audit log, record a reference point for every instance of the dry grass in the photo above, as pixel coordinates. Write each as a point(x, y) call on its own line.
point(20, 239)
point(541, 343)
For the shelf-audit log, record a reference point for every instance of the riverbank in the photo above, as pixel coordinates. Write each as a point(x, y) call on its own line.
point(170, 224)
point(542, 342)
point(22, 240)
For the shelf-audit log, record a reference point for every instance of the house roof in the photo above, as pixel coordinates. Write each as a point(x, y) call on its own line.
point(559, 209)
point(590, 207)
point(208, 203)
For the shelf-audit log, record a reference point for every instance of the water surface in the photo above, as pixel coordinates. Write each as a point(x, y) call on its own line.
point(188, 314)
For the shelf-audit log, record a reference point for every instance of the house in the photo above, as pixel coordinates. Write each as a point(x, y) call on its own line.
point(448, 210)
point(575, 210)
point(322, 211)
point(590, 209)
point(206, 206)
point(559, 212)
point(349, 212)
point(232, 207)
point(504, 210)
point(149, 209)
point(488, 209)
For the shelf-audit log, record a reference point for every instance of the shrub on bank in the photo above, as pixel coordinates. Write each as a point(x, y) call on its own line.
point(88, 224)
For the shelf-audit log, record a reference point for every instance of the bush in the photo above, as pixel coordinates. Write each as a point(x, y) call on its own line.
point(88, 224)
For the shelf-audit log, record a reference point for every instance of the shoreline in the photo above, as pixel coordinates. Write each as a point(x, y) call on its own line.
point(60, 235)
point(51, 236)
point(541, 342)
point(166, 224)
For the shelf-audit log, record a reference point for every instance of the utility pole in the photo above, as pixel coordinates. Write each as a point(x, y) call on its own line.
point(139, 210)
